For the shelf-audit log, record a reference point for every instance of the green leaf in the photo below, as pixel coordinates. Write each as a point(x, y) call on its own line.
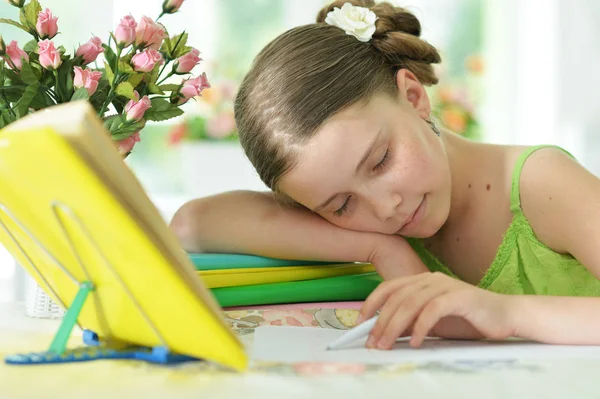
point(23, 18)
point(124, 67)
point(14, 23)
point(125, 89)
point(154, 89)
point(127, 129)
point(25, 101)
point(65, 81)
point(162, 110)
point(42, 100)
point(113, 122)
point(110, 76)
point(179, 45)
point(154, 74)
point(27, 74)
point(32, 9)
point(80, 94)
point(169, 87)
point(31, 46)
point(167, 46)
point(6, 117)
point(110, 56)
point(135, 79)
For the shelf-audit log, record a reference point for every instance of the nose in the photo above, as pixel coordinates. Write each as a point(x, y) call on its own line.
point(386, 207)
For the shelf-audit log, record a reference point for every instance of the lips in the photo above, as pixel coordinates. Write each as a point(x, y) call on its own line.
point(413, 217)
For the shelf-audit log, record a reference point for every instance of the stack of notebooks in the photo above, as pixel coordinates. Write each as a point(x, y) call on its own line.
point(238, 280)
point(77, 219)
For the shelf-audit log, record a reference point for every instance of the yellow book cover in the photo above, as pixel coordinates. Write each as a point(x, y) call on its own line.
point(64, 185)
point(265, 275)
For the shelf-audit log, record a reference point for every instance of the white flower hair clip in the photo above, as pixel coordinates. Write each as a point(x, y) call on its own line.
point(354, 20)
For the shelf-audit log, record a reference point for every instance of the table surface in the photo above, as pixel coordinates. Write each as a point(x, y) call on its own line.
point(436, 379)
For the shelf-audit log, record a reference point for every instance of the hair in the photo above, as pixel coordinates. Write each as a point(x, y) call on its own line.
point(309, 73)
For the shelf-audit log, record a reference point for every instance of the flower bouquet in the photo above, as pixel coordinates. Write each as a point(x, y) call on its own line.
point(129, 79)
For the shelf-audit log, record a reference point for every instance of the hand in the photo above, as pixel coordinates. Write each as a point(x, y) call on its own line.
point(422, 303)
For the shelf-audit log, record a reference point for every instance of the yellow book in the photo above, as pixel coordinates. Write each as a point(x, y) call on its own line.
point(265, 275)
point(77, 214)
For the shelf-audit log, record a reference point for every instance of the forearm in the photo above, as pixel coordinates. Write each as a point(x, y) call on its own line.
point(557, 320)
point(252, 222)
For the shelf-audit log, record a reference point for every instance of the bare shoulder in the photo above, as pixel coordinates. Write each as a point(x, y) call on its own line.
point(555, 192)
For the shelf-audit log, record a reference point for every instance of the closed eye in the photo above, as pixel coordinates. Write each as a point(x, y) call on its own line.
point(386, 157)
point(343, 208)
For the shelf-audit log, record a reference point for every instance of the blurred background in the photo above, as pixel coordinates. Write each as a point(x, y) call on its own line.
point(513, 71)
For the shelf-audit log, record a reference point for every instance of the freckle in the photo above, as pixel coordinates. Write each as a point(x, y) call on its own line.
point(457, 239)
point(487, 187)
point(550, 198)
point(469, 185)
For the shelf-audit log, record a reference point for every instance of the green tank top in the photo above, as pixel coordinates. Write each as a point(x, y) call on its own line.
point(523, 265)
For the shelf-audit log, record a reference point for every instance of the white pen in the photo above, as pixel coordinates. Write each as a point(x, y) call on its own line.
point(360, 331)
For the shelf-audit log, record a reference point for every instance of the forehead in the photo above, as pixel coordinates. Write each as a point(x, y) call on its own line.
point(328, 160)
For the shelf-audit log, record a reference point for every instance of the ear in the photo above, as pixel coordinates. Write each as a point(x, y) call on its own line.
point(410, 89)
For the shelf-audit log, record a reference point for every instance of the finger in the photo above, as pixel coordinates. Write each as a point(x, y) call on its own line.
point(380, 295)
point(434, 311)
point(407, 312)
point(389, 309)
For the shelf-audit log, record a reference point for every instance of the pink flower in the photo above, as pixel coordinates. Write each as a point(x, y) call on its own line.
point(90, 50)
point(126, 145)
point(136, 109)
point(149, 34)
point(171, 6)
point(46, 24)
point(145, 61)
point(86, 78)
point(193, 87)
point(14, 55)
point(187, 62)
point(125, 33)
point(221, 125)
point(49, 55)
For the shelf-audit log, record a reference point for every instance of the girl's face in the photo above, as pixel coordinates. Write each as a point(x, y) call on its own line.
point(377, 167)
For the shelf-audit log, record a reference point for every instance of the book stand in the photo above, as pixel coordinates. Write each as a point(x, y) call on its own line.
point(95, 349)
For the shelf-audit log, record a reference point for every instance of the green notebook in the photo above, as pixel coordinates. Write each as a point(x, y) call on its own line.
point(344, 288)
point(215, 261)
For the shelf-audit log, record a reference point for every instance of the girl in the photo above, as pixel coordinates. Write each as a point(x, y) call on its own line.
point(475, 240)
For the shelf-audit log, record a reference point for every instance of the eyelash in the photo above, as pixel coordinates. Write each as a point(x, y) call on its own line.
point(386, 157)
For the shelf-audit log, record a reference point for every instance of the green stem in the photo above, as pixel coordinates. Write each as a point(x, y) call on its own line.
point(112, 85)
point(161, 14)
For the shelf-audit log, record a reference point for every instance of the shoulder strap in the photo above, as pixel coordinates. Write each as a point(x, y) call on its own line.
point(515, 192)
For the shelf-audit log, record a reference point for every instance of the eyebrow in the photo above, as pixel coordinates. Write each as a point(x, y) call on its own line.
point(364, 158)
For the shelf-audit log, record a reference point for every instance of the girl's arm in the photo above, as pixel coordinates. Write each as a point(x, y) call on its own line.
point(255, 223)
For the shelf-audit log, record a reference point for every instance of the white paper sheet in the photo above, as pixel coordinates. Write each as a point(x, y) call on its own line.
point(306, 344)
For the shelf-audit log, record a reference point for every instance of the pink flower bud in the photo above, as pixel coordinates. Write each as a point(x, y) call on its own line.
point(90, 50)
point(49, 55)
point(14, 56)
point(193, 87)
point(145, 61)
point(46, 24)
point(171, 6)
point(125, 33)
point(136, 109)
point(149, 33)
point(187, 62)
point(126, 145)
point(86, 78)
